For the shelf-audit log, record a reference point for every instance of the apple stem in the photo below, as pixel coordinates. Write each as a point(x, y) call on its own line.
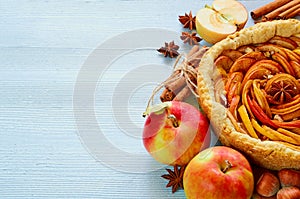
point(227, 166)
point(209, 7)
point(174, 120)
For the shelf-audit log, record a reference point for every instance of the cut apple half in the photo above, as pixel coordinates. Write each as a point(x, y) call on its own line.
point(224, 17)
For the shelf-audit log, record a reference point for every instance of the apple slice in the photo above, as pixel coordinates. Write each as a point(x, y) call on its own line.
point(233, 11)
point(224, 17)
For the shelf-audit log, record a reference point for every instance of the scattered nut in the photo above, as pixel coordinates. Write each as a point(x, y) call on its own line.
point(267, 185)
point(288, 193)
point(289, 177)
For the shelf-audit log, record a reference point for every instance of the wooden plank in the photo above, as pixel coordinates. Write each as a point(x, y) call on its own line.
point(43, 45)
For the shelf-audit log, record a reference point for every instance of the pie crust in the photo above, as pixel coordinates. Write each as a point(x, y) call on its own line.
point(268, 154)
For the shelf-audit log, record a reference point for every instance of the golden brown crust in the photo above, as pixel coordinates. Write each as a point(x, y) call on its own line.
point(269, 154)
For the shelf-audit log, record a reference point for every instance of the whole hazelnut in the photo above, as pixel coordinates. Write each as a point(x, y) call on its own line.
point(267, 185)
point(289, 177)
point(288, 193)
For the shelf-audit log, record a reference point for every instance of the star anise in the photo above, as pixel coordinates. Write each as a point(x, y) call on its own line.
point(170, 49)
point(190, 38)
point(175, 177)
point(282, 92)
point(188, 21)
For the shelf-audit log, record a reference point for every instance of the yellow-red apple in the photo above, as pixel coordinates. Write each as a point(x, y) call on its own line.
point(218, 172)
point(174, 132)
point(224, 17)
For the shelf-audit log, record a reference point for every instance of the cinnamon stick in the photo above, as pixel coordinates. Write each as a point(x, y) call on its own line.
point(173, 89)
point(176, 85)
point(170, 89)
point(285, 14)
point(193, 50)
point(167, 95)
point(272, 15)
point(178, 89)
point(195, 58)
point(293, 13)
point(183, 94)
point(257, 13)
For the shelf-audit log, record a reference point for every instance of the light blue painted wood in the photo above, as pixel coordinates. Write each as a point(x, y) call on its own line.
point(43, 46)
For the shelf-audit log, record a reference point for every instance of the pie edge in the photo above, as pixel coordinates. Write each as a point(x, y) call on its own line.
point(267, 154)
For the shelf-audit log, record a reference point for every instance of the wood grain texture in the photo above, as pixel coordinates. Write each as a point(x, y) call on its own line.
point(43, 45)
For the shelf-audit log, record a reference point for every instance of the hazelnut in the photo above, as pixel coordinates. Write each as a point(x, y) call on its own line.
point(267, 185)
point(289, 177)
point(288, 193)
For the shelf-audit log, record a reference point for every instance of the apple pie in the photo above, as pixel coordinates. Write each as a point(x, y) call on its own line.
point(249, 87)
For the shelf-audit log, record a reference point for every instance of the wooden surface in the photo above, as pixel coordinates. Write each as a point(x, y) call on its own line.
point(45, 47)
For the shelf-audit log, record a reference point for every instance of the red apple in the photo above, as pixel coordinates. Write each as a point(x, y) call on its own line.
point(174, 132)
point(218, 172)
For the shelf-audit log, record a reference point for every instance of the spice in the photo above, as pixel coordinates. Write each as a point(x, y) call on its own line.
point(272, 15)
point(278, 9)
point(182, 81)
point(190, 38)
point(258, 12)
point(188, 21)
point(282, 92)
point(175, 177)
point(281, 89)
point(170, 49)
point(290, 13)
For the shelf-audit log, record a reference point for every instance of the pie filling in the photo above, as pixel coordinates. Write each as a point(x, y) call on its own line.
point(259, 84)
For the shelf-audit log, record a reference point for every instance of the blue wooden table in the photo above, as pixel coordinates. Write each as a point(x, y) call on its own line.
point(75, 77)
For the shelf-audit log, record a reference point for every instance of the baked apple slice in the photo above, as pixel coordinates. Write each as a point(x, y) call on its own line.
point(257, 110)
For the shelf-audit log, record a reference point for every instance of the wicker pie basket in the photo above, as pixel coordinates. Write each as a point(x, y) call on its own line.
point(263, 152)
